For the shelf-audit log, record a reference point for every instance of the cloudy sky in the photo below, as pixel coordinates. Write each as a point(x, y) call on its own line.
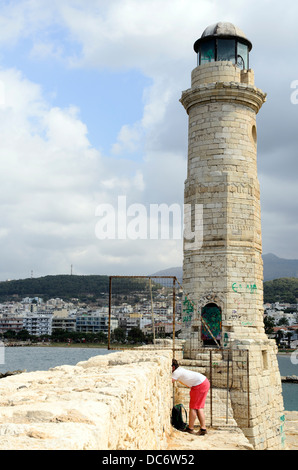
point(90, 112)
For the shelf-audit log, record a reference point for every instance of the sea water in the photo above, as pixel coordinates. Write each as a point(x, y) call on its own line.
point(288, 366)
point(43, 358)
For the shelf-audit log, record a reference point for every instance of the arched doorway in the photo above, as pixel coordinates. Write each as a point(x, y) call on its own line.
point(211, 313)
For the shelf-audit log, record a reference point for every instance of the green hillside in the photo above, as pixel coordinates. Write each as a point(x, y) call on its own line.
point(97, 287)
point(67, 287)
point(281, 290)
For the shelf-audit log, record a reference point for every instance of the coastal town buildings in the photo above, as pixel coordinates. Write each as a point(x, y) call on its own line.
point(45, 318)
point(38, 324)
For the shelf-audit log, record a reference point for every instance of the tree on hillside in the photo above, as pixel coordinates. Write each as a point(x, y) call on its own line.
point(119, 335)
point(135, 335)
point(283, 322)
point(269, 324)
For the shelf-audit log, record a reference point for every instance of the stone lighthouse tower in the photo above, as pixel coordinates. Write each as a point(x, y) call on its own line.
point(223, 269)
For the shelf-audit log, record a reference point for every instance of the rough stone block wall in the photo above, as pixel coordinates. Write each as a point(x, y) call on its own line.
point(119, 401)
point(214, 72)
point(267, 416)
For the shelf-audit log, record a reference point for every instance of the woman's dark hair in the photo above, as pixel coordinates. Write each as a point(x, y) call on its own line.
point(175, 363)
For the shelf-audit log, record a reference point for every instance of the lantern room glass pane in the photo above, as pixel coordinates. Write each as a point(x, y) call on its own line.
point(242, 55)
point(226, 50)
point(207, 52)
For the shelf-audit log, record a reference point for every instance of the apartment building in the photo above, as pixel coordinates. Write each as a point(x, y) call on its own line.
point(95, 322)
point(38, 324)
point(10, 322)
point(63, 323)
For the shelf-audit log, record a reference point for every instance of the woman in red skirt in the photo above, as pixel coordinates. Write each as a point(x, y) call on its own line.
point(199, 386)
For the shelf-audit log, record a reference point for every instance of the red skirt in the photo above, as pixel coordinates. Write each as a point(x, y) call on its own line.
point(198, 395)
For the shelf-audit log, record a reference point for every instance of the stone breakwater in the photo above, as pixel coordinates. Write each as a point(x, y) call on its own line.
point(119, 401)
point(290, 379)
point(9, 373)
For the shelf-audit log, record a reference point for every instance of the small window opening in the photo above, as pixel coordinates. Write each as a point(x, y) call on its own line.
point(265, 360)
point(254, 134)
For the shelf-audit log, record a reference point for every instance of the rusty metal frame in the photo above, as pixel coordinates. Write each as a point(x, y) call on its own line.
point(174, 305)
point(141, 277)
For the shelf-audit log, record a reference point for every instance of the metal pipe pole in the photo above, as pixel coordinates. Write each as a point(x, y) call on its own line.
point(110, 307)
point(152, 312)
point(174, 314)
point(227, 400)
point(211, 404)
point(248, 391)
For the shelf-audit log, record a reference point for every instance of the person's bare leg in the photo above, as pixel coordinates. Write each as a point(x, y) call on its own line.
point(192, 418)
point(201, 417)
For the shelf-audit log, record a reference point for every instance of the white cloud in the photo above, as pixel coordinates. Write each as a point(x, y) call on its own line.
point(128, 139)
point(44, 50)
point(52, 179)
point(48, 171)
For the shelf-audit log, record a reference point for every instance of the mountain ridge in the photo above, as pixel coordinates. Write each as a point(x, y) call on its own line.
point(94, 287)
point(274, 268)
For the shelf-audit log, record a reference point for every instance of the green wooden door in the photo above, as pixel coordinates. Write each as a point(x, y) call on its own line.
point(211, 313)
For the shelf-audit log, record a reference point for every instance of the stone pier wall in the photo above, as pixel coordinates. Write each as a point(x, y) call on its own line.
point(119, 401)
point(123, 401)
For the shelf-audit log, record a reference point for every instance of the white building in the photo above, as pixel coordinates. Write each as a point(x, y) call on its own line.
point(10, 323)
point(38, 324)
point(66, 323)
point(95, 322)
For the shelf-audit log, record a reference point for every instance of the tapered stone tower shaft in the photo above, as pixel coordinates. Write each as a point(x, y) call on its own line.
point(224, 275)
